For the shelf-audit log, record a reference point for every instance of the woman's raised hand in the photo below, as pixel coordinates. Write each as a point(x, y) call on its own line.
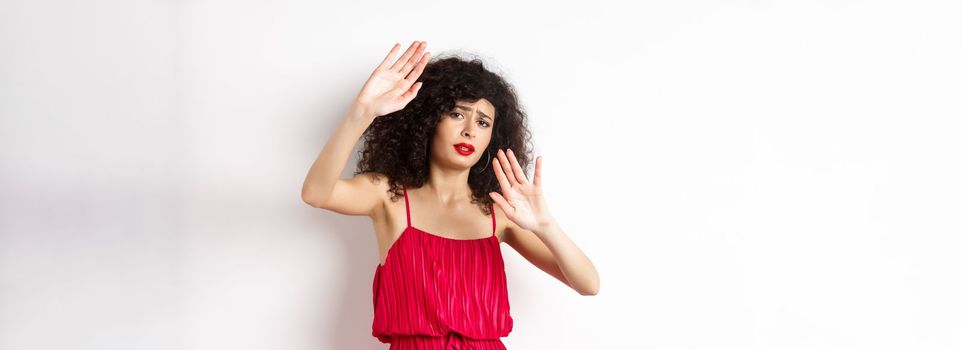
point(521, 200)
point(391, 86)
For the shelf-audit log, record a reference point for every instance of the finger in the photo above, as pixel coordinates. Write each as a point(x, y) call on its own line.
point(404, 58)
point(411, 93)
point(501, 202)
point(505, 163)
point(420, 67)
point(411, 63)
point(408, 82)
point(516, 167)
point(390, 55)
point(537, 170)
point(501, 178)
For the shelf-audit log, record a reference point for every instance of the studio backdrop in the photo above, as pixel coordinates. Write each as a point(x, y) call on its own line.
point(744, 175)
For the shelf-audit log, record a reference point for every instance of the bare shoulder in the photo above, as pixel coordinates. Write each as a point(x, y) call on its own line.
point(378, 183)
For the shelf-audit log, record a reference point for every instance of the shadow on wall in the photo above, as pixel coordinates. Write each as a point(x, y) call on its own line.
point(350, 313)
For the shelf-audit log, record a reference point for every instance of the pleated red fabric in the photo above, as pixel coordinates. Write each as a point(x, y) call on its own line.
point(435, 292)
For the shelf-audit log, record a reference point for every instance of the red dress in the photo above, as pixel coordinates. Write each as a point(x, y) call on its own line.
point(434, 292)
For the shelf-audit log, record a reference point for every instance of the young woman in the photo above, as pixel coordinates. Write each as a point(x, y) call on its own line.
point(450, 138)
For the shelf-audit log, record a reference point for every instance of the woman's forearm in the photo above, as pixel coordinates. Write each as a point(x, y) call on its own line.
point(325, 171)
point(574, 264)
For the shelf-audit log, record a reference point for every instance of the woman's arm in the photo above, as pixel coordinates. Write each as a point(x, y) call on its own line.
point(533, 232)
point(323, 187)
point(574, 265)
point(389, 88)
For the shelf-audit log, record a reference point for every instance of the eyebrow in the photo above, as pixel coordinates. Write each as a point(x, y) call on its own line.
point(478, 111)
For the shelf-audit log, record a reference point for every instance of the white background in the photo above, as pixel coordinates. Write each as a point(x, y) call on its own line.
point(744, 175)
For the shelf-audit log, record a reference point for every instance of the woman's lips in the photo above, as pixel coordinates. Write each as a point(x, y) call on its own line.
point(464, 149)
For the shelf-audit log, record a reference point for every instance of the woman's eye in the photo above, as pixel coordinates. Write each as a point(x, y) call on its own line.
point(484, 123)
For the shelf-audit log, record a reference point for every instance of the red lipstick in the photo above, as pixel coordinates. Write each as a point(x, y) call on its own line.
point(464, 148)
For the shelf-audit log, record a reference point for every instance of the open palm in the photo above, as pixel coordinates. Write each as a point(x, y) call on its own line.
point(522, 201)
point(391, 87)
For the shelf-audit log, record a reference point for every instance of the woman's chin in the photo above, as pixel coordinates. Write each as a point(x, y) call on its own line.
point(461, 162)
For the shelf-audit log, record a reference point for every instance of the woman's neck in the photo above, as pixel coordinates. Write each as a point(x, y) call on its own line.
point(448, 189)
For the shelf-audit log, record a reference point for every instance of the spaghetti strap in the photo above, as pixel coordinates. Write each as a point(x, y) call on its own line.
point(407, 205)
point(493, 221)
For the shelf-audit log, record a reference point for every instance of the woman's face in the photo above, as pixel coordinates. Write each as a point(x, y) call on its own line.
point(470, 125)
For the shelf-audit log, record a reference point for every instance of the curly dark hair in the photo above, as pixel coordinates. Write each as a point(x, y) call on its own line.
point(397, 144)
